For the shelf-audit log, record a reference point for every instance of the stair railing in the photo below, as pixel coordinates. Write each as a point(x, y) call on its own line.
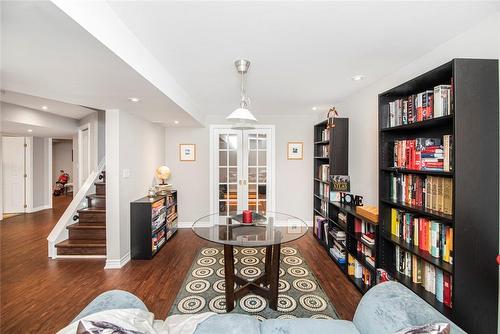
point(60, 232)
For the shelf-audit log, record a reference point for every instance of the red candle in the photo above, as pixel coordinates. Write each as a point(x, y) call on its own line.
point(247, 216)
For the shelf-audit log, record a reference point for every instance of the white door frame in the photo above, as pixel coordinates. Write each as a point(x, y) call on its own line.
point(272, 171)
point(80, 152)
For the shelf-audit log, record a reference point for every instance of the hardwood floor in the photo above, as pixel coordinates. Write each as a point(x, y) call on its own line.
point(40, 295)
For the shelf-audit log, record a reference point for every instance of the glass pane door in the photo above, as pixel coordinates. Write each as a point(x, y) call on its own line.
point(256, 160)
point(228, 160)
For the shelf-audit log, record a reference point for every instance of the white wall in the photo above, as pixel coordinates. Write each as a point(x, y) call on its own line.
point(135, 147)
point(481, 41)
point(293, 177)
point(61, 159)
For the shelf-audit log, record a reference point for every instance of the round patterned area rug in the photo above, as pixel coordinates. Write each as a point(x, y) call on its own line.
point(300, 295)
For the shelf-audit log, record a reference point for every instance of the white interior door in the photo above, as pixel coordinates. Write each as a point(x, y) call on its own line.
point(14, 187)
point(242, 171)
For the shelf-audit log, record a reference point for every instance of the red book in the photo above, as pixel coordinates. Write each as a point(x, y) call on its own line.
point(447, 289)
point(357, 225)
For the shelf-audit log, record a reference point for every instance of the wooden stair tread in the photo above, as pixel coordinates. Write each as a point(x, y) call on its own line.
point(82, 243)
point(96, 196)
point(92, 209)
point(87, 226)
point(99, 182)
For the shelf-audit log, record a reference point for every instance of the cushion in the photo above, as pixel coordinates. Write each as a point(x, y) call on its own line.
point(308, 326)
point(229, 324)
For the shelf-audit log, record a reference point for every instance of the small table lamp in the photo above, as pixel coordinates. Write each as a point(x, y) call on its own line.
point(163, 173)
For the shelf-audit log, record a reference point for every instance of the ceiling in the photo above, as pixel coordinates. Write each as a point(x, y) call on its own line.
point(21, 129)
point(52, 106)
point(47, 54)
point(303, 54)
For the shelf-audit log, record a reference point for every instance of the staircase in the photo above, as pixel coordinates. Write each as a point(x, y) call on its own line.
point(88, 235)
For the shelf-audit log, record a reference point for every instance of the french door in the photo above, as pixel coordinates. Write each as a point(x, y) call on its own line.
point(242, 170)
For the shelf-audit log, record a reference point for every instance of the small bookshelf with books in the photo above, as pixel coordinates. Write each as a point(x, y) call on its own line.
point(438, 189)
point(352, 241)
point(153, 221)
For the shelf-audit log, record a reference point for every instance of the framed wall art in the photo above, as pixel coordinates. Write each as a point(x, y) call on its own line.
point(187, 152)
point(295, 150)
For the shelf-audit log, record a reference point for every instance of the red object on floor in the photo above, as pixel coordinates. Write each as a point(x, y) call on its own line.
point(247, 216)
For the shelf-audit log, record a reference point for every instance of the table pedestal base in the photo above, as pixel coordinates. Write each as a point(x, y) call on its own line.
point(266, 285)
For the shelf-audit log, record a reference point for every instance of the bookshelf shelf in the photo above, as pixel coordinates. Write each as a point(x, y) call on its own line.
point(323, 142)
point(322, 158)
point(448, 267)
point(473, 123)
point(421, 210)
point(419, 172)
point(321, 198)
point(433, 122)
point(316, 179)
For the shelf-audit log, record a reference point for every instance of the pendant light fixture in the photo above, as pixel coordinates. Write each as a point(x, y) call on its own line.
point(242, 117)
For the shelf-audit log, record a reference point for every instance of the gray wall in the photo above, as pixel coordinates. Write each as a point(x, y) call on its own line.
point(40, 172)
point(293, 177)
point(61, 159)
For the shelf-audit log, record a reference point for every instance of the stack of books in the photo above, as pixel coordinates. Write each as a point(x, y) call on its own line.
point(323, 151)
point(430, 236)
point(325, 135)
point(338, 252)
point(424, 154)
point(431, 192)
point(367, 253)
point(368, 238)
point(324, 190)
point(420, 107)
point(431, 278)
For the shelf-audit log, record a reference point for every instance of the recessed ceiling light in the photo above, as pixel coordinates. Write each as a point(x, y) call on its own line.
point(45, 107)
point(29, 130)
point(176, 122)
point(314, 108)
point(134, 99)
point(358, 77)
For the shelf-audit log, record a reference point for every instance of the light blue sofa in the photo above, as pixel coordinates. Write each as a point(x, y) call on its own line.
point(386, 308)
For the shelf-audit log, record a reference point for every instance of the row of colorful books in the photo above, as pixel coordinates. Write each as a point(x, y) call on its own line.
point(324, 190)
point(422, 106)
point(428, 235)
point(424, 153)
point(321, 228)
point(324, 172)
point(356, 269)
point(431, 192)
point(431, 278)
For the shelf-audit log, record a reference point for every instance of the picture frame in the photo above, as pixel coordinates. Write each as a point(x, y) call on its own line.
point(295, 150)
point(187, 152)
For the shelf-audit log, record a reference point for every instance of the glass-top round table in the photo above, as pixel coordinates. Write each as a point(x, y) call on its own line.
point(269, 231)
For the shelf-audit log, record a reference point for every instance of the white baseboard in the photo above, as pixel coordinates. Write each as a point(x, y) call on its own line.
point(184, 224)
point(80, 257)
point(38, 208)
point(117, 264)
point(190, 224)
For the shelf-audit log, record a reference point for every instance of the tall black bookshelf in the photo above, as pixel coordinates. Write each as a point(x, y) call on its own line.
point(334, 159)
point(474, 125)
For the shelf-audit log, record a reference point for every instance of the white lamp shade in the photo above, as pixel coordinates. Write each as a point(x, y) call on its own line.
point(242, 115)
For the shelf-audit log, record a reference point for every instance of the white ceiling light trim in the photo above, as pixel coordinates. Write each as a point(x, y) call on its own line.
point(242, 116)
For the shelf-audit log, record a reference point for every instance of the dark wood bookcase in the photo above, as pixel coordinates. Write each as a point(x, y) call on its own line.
point(153, 221)
point(474, 125)
point(337, 141)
